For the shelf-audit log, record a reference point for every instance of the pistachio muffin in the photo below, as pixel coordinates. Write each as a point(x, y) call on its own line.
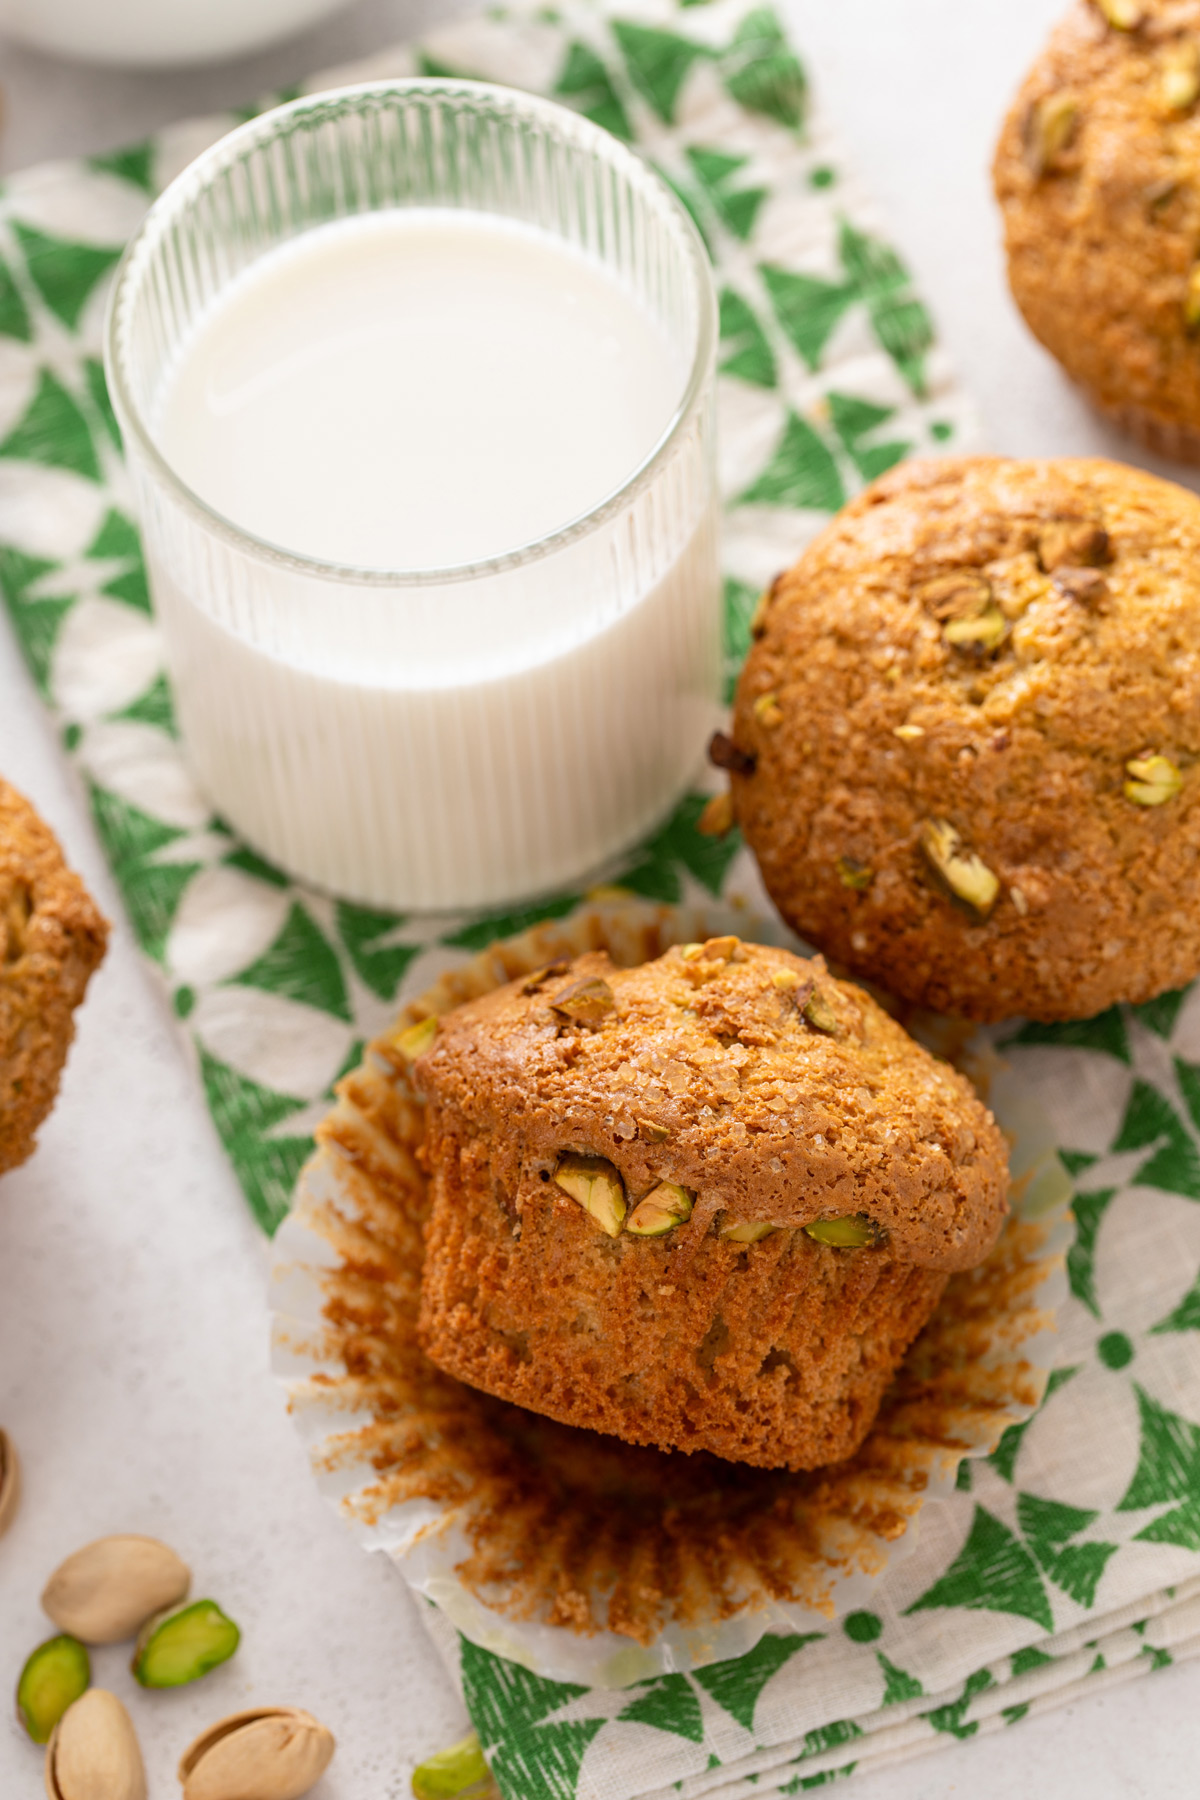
point(702, 1204)
point(966, 742)
point(1098, 176)
point(51, 939)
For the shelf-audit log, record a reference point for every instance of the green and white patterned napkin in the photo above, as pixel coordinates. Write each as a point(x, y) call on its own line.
point(1071, 1559)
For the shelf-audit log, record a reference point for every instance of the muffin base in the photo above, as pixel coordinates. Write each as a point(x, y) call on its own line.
point(775, 1353)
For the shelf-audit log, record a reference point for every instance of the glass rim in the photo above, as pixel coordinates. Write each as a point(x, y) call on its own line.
point(173, 203)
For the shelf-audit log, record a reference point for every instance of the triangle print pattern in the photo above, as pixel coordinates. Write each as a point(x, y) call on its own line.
point(1071, 1557)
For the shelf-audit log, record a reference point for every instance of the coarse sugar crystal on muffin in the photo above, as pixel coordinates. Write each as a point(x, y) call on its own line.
point(1098, 176)
point(705, 1203)
point(966, 742)
point(51, 939)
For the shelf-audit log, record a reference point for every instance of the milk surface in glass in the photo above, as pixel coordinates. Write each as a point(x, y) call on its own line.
point(414, 390)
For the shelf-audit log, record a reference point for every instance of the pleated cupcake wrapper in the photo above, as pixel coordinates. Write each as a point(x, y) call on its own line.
point(379, 1421)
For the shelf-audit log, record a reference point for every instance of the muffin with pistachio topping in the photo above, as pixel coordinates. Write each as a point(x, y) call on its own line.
point(966, 743)
point(1098, 176)
point(702, 1204)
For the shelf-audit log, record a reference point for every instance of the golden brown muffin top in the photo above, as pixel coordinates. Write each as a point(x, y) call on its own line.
point(1098, 173)
point(747, 1075)
point(997, 648)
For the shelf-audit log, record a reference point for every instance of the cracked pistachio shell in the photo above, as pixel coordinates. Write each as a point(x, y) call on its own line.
point(459, 1773)
point(94, 1753)
point(54, 1676)
point(598, 1188)
point(663, 1208)
point(183, 1644)
point(265, 1753)
point(107, 1590)
point(10, 1482)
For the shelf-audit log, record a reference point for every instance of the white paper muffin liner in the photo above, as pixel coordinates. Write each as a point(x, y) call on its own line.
point(402, 1451)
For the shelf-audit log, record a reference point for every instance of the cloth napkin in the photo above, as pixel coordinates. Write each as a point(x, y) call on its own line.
point(1070, 1559)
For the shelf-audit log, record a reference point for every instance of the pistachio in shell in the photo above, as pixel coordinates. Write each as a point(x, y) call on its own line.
point(10, 1482)
point(459, 1773)
point(54, 1676)
point(183, 1644)
point(267, 1752)
point(94, 1753)
point(106, 1591)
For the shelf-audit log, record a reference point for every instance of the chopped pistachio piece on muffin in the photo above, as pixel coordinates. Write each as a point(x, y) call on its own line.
point(711, 1216)
point(1098, 177)
point(1029, 817)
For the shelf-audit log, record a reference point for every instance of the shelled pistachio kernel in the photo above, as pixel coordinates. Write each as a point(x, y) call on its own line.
point(106, 1591)
point(1181, 74)
point(746, 1231)
point(853, 874)
point(820, 1015)
point(768, 711)
point(853, 1232)
point(966, 875)
point(1072, 543)
point(459, 1773)
point(54, 1676)
point(597, 1187)
point(277, 1752)
point(717, 818)
point(1122, 15)
point(1049, 129)
point(93, 1753)
point(588, 1001)
point(183, 1644)
point(652, 1131)
point(1152, 780)
point(663, 1208)
point(416, 1040)
point(10, 1481)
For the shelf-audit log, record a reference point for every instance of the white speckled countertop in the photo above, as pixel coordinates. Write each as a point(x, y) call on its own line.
point(133, 1344)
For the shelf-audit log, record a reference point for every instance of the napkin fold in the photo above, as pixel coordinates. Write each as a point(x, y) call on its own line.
point(1071, 1558)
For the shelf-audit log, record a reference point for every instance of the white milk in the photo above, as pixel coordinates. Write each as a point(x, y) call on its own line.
point(413, 391)
point(416, 389)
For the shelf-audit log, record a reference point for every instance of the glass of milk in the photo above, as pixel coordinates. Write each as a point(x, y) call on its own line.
point(416, 382)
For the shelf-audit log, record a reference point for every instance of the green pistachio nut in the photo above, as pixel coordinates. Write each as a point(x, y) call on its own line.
point(1152, 780)
point(598, 1188)
point(416, 1040)
point(663, 1208)
point(182, 1645)
point(53, 1679)
point(459, 1773)
point(747, 1231)
point(852, 1233)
